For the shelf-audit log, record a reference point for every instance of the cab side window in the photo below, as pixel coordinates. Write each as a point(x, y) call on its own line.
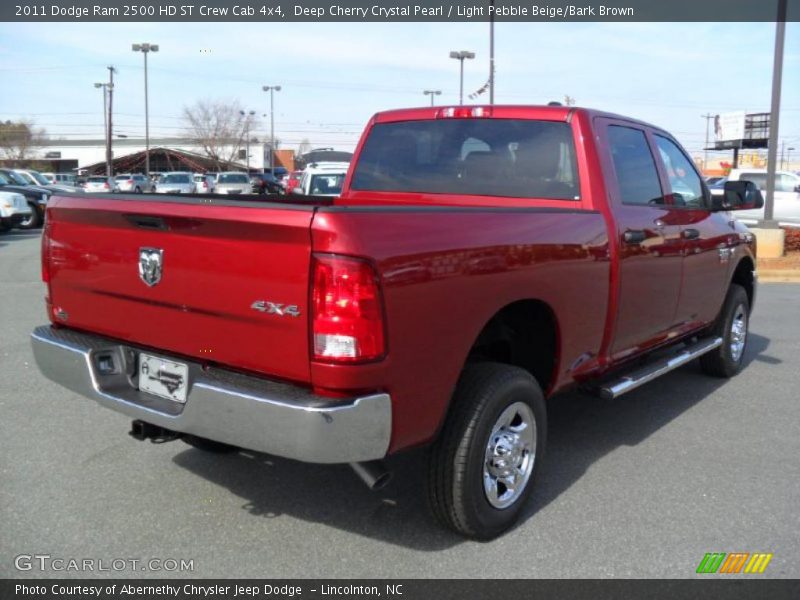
point(635, 167)
point(687, 189)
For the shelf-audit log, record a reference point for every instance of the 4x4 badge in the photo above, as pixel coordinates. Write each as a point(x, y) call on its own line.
point(151, 265)
point(273, 308)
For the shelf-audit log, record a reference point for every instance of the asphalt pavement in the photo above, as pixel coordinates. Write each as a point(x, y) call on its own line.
point(642, 486)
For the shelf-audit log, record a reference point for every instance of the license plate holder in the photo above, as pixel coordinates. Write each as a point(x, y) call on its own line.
point(163, 377)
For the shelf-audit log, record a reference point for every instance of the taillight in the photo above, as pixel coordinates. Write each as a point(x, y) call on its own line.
point(346, 310)
point(105, 185)
point(46, 253)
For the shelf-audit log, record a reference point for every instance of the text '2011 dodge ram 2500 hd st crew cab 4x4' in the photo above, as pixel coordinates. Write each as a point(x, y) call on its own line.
point(478, 260)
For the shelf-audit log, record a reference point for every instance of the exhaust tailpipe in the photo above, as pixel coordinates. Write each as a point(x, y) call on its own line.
point(146, 431)
point(374, 473)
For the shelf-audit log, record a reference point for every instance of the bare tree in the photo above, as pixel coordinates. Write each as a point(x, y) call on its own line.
point(19, 140)
point(219, 128)
point(304, 147)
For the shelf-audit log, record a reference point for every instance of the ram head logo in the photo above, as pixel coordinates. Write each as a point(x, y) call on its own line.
point(151, 264)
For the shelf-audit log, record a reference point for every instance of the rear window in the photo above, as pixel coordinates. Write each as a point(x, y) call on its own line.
point(328, 183)
point(175, 178)
point(97, 180)
point(122, 177)
point(484, 157)
point(234, 178)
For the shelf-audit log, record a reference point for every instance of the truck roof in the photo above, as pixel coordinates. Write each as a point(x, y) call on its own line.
point(502, 111)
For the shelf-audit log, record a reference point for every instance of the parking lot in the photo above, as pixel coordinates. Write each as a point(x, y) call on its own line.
point(642, 486)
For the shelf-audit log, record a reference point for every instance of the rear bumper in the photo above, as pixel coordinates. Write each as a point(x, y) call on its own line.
point(250, 412)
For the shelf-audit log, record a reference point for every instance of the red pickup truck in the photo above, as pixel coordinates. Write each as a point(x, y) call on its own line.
point(479, 260)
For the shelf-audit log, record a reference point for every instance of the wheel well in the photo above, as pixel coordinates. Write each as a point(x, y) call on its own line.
point(523, 334)
point(743, 276)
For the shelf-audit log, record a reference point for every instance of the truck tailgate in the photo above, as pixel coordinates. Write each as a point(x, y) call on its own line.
point(223, 263)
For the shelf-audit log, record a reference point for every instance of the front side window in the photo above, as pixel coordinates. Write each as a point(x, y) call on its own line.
point(687, 190)
point(634, 166)
point(514, 158)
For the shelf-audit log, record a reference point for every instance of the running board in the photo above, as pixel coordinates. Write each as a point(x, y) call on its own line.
point(631, 381)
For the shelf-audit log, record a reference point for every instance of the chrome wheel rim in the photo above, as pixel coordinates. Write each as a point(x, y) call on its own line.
point(738, 333)
point(510, 455)
point(26, 221)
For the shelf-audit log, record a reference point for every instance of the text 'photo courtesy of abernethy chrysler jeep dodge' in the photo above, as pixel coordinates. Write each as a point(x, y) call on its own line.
point(478, 260)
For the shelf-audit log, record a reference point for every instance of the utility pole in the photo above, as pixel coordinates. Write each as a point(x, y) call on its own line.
point(708, 118)
point(775, 109)
point(109, 151)
point(247, 116)
point(491, 53)
point(783, 154)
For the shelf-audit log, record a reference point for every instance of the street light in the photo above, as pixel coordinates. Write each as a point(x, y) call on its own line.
point(461, 56)
point(432, 93)
point(271, 89)
point(146, 49)
point(789, 158)
point(105, 87)
point(247, 135)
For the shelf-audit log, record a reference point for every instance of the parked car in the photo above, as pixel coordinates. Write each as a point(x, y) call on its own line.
point(35, 178)
point(786, 207)
point(204, 183)
point(176, 182)
point(293, 180)
point(437, 301)
point(265, 183)
point(233, 182)
point(101, 184)
point(61, 179)
point(322, 179)
point(14, 209)
point(134, 182)
point(36, 196)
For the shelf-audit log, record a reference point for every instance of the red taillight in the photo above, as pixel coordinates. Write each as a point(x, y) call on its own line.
point(346, 310)
point(105, 185)
point(46, 253)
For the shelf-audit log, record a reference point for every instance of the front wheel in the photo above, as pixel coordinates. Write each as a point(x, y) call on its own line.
point(483, 465)
point(32, 221)
point(732, 326)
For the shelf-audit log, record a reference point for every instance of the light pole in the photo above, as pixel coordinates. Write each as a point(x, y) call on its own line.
point(104, 87)
point(146, 49)
point(432, 93)
point(271, 89)
point(789, 158)
point(245, 116)
point(460, 56)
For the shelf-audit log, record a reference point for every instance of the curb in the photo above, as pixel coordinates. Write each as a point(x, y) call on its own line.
point(779, 276)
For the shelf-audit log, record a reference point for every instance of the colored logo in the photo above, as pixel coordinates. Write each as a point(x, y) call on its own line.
point(735, 562)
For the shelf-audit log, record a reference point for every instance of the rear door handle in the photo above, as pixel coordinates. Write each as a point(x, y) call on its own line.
point(690, 234)
point(634, 236)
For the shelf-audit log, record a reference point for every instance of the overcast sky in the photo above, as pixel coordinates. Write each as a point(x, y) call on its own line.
point(334, 76)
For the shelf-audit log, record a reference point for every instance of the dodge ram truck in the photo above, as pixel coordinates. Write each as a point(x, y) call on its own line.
point(478, 260)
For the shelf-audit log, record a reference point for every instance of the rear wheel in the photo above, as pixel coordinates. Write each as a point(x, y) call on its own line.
point(138, 190)
point(32, 221)
point(209, 445)
point(483, 465)
point(732, 326)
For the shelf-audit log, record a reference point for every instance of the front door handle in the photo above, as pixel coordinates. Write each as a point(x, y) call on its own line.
point(634, 236)
point(690, 233)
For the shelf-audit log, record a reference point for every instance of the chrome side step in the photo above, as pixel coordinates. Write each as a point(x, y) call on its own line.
point(631, 381)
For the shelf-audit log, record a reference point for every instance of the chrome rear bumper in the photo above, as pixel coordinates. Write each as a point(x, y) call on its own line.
point(250, 412)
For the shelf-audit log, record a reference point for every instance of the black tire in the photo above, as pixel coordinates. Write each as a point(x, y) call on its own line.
point(4, 226)
point(725, 361)
point(138, 190)
point(458, 459)
point(34, 221)
point(209, 445)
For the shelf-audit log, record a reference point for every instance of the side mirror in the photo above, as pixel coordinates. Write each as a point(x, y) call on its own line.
point(739, 195)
